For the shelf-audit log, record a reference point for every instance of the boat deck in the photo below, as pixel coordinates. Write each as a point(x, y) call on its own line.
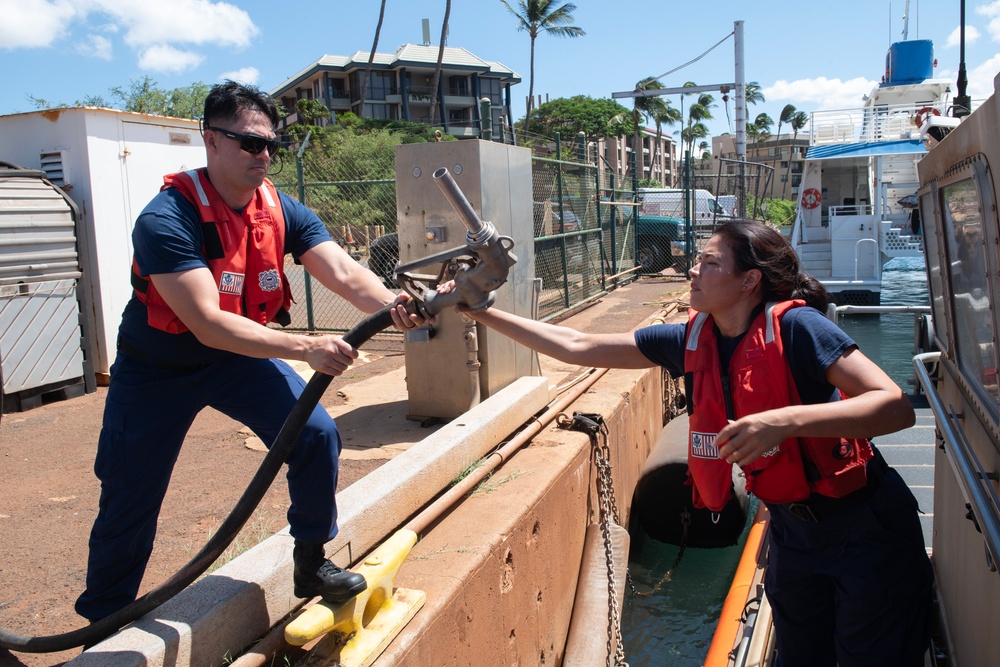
point(911, 453)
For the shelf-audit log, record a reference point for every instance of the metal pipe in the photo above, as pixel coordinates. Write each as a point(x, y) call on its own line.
point(420, 522)
point(458, 201)
point(473, 364)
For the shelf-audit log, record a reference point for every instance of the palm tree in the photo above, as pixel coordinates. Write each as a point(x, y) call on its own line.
point(371, 59)
point(435, 82)
point(536, 16)
point(644, 107)
point(797, 121)
point(751, 95)
point(763, 123)
point(692, 133)
point(666, 116)
point(698, 112)
point(786, 115)
point(753, 134)
point(706, 153)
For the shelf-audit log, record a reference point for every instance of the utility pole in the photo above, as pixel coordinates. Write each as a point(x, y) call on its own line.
point(741, 117)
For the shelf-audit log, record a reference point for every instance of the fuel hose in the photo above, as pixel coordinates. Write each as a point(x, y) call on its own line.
point(216, 545)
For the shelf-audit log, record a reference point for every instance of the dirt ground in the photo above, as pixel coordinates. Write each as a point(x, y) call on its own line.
point(48, 502)
point(48, 492)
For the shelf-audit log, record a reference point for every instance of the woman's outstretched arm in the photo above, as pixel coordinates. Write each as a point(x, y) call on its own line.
point(616, 350)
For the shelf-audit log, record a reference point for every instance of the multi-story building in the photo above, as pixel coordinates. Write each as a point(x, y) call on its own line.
point(784, 154)
point(659, 157)
point(400, 88)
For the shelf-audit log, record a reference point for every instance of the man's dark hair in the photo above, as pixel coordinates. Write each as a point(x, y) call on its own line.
point(227, 101)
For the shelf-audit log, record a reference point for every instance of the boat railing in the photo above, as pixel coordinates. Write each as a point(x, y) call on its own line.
point(882, 123)
point(975, 483)
point(857, 254)
point(852, 209)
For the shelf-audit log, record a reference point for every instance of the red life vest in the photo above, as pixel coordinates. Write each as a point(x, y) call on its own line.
point(759, 379)
point(246, 254)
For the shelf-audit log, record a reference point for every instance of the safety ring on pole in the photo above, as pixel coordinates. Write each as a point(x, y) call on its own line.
point(923, 113)
point(811, 198)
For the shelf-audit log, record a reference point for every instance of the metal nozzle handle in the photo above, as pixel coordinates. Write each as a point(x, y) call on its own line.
point(457, 199)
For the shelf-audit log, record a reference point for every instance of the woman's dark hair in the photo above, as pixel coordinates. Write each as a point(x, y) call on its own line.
point(757, 246)
point(227, 101)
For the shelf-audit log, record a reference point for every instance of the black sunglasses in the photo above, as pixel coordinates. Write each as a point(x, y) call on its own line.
point(251, 143)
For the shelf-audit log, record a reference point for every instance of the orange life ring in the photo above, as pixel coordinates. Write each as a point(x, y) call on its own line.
point(922, 114)
point(811, 198)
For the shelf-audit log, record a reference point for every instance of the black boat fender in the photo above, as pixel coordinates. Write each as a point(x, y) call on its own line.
point(661, 502)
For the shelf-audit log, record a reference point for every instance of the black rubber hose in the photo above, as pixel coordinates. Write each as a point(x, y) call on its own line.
point(227, 532)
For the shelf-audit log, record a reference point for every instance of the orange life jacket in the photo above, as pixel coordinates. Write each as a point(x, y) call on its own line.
point(758, 379)
point(245, 252)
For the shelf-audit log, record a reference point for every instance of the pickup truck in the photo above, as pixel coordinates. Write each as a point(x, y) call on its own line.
point(661, 243)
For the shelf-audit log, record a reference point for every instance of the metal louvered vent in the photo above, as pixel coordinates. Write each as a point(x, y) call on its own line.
point(54, 166)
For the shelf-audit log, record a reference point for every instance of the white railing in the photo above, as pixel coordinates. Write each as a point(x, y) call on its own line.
point(857, 253)
point(883, 123)
point(852, 209)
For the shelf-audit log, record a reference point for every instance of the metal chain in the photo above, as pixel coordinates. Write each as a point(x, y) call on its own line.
point(593, 424)
point(685, 516)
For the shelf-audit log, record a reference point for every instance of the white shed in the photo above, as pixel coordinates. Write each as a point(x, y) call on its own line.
point(111, 163)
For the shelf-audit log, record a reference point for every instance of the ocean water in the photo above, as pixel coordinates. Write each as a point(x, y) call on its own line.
point(888, 339)
point(674, 625)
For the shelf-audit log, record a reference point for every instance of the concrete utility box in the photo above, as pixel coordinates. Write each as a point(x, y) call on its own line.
point(44, 321)
point(110, 163)
point(496, 179)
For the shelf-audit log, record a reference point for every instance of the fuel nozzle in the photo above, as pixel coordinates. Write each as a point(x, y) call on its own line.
point(478, 268)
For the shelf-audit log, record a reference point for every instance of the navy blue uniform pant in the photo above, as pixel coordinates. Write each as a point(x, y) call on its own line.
point(146, 417)
point(854, 588)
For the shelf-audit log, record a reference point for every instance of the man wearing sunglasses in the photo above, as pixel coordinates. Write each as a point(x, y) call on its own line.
point(208, 274)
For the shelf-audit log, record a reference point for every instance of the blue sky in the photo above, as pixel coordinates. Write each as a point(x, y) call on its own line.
point(813, 55)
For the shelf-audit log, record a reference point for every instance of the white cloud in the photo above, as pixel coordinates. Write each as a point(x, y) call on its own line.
point(243, 75)
point(971, 35)
point(992, 12)
point(981, 78)
point(158, 31)
point(820, 93)
point(34, 23)
point(181, 22)
point(165, 58)
point(96, 46)
point(990, 9)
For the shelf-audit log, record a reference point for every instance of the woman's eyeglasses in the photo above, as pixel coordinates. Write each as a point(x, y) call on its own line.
point(251, 143)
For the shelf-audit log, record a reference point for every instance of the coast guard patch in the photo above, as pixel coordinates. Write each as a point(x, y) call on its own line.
point(231, 283)
point(269, 280)
point(703, 445)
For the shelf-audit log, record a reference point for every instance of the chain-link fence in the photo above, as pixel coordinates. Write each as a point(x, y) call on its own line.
point(738, 187)
point(569, 255)
point(349, 180)
point(584, 223)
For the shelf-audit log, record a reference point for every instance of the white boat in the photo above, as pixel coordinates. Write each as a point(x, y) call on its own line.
point(861, 162)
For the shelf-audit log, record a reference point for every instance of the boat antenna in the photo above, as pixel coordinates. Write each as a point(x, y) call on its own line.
point(906, 20)
point(963, 103)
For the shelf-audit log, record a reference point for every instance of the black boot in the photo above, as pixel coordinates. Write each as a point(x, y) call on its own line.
point(316, 576)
